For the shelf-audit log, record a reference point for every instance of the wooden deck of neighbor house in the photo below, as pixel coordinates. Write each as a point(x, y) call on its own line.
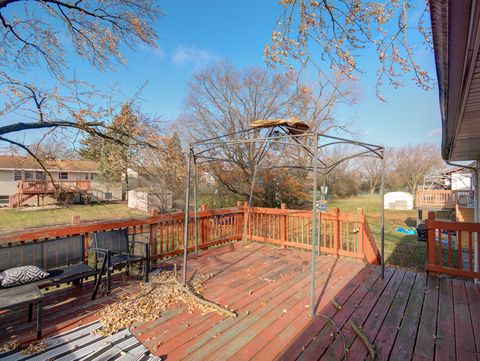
point(406, 316)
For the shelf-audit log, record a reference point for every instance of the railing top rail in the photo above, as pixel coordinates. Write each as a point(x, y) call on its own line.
point(67, 230)
point(452, 226)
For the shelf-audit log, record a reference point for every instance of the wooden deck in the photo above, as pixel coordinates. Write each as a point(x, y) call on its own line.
point(406, 316)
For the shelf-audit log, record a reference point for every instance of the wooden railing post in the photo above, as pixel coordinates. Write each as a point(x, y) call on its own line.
point(431, 239)
point(360, 231)
point(336, 231)
point(239, 220)
point(153, 242)
point(246, 219)
point(204, 227)
point(284, 226)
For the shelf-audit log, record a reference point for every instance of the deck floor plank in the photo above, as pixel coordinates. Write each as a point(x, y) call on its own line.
point(388, 332)
point(407, 334)
point(281, 296)
point(445, 337)
point(473, 294)
point(268, 327)
point(324, 338)
point(294, 344)
point(357, 350)
point(272, 340)
point(464, 336)
point(425, 344)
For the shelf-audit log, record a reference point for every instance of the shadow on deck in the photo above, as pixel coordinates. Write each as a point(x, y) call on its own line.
point(406, 314)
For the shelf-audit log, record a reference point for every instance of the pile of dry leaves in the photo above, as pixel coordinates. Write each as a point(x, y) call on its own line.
point(162, 291)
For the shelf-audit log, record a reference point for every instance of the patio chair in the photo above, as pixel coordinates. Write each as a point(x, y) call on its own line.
point(116, 252)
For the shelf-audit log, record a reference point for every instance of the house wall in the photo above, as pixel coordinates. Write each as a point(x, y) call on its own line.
point(99, 191)
point(464, 214)
point(461, 181)
point(7, 184)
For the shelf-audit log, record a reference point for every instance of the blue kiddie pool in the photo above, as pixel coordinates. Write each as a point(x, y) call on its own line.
point(409, 232)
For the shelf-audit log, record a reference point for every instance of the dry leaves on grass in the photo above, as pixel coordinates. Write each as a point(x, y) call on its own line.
point(146, 305)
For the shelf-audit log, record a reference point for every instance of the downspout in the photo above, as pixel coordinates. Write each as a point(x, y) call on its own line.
point(475, 208)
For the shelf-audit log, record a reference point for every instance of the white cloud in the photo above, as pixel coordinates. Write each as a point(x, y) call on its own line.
point(194, 55)
point(157, 51)
point(435, 132)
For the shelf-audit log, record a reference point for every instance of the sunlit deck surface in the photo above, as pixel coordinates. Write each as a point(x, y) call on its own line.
point(406, 316)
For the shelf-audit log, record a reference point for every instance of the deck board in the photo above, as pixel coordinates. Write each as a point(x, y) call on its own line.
point(445, 337)
point(407, 334)
point(425, 345)
point(464, 336)
point(407, 315)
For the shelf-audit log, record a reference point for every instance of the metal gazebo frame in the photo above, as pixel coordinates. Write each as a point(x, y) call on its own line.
point(201, 152)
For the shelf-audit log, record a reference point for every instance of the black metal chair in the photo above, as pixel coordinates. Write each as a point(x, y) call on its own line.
point(117, 251)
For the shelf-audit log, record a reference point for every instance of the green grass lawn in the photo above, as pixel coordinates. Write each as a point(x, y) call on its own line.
point(400, 250)
point(13, 220)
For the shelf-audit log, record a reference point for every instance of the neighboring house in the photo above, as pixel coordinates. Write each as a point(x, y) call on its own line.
point(450, 192)
point(24, 181)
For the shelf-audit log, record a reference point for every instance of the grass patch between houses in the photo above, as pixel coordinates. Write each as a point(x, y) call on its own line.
point(12, 220)
point(400, 250)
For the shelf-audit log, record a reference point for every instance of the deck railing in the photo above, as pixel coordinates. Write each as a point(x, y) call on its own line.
point(46, 186)
point(337, 233)
point(451, 247)
point(340, 234)
point(435, 199)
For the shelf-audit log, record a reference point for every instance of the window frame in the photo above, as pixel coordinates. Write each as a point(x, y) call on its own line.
point(60, 175)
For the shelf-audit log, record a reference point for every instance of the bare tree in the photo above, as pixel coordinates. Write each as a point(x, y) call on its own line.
point(223, 100)
point(309, 31)
point(413, 163)
point(161, 170)
point(31, 40)
point(370, 170)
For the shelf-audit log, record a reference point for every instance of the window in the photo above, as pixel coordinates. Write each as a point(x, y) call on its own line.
point(85, 176)
point(93, 176)
point(108, 196)
point(41, 176)
point(3, 199)
point(63, 175)
point(28, 175)
point(17, 175)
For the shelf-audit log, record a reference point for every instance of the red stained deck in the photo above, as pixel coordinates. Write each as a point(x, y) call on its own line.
point(406, 316)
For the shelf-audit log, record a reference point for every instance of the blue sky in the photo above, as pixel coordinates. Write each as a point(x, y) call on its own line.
point(193, 33)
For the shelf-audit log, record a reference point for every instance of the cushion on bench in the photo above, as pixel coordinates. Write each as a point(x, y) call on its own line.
point(21, 275)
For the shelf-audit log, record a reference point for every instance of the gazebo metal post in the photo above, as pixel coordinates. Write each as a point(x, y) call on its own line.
point(260, 154)
point(195, 202)
point(247, 216)
point(314, 224)
point(187, 217)
point(382, 221)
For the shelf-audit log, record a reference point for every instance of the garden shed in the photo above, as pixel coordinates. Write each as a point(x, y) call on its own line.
point(400, 201)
